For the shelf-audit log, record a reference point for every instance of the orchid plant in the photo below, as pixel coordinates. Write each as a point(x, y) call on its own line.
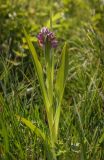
point(52, 87)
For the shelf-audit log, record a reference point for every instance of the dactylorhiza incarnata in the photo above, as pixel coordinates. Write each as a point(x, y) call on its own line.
point(47, 37)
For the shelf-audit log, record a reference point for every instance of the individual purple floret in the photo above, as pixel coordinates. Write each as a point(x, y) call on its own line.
point(46, 36)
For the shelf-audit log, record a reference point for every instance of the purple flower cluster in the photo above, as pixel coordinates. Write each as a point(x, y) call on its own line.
point(46, 36)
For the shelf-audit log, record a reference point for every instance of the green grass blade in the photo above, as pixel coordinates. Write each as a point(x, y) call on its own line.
point(37, 131)
point(101, 139)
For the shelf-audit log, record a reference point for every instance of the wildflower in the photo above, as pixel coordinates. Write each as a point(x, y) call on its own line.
point(47, 37)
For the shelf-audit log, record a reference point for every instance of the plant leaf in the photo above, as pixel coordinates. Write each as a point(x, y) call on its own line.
point(19, 54)
point(62, 74)
point(54, 18)
point(39, 71)
point(37, 131)
point(60, 85)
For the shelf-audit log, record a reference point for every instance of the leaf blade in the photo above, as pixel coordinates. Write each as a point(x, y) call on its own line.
point(35, 129)
point(39, 71)
point(60, 85)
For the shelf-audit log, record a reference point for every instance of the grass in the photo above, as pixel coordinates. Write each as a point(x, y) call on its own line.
point(81, 126)
point(81, 130)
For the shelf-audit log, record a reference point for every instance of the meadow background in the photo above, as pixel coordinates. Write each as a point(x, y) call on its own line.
point(80, 23)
